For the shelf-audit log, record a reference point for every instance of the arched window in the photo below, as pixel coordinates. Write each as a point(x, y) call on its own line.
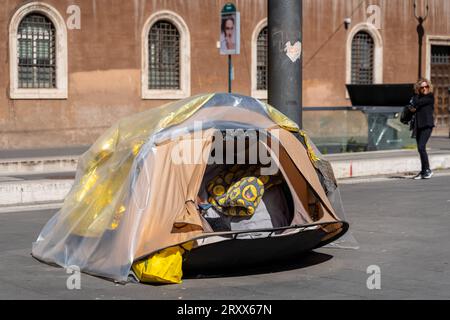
point(363, 52)
point(364, 57)
point(261, 60)
point(259, 71)
point(38, 53)
point(166, 57)
point(36, 38)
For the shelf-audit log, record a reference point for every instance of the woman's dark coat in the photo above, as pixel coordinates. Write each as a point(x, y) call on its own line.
point(425, 111)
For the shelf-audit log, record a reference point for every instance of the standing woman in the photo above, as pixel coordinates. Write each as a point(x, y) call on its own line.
point(423, 103)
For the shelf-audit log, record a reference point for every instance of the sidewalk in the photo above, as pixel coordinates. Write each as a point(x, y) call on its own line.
point(394, 162)
point(42, 178)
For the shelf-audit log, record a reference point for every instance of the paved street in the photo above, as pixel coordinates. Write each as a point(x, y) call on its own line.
point(401, 225)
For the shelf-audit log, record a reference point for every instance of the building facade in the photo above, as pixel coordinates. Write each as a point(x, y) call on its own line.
point(71, 68)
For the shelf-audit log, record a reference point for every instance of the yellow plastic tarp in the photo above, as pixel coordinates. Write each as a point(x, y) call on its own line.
point(164, 266)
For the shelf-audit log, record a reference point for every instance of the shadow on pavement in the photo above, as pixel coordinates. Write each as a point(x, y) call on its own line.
point(407, 176)
point(291, 263)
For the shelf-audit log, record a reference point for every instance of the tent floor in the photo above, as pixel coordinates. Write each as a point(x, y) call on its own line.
point(230, 255)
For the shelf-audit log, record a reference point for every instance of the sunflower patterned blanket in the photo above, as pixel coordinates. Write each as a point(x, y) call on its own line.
point(238, 191)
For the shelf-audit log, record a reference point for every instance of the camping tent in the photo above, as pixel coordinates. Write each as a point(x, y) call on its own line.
point(136, 191)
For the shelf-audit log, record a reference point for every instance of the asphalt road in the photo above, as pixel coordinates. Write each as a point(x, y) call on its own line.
point(42, 153)
point(402, 226)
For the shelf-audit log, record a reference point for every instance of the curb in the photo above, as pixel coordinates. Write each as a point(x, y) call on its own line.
point(344, 169)
point(18, 194)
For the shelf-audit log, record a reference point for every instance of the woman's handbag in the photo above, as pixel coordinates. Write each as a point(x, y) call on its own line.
point(406, 115)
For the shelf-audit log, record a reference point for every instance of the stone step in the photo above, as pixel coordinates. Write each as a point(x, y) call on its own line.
point(30, 166)
point(33, 192)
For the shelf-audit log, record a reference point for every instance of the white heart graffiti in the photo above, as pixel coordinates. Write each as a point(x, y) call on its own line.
point(293, 52)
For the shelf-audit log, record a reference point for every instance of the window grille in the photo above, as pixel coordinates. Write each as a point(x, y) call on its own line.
point(261, 60)
point(362, 58)
point(440, 54)
point(37, 52)
point(164, 56)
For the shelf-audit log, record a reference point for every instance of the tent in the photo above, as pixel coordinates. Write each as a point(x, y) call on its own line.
point(136, 191)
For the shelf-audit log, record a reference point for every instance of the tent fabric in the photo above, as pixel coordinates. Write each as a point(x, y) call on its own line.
point(130, 198)
point(300, 157)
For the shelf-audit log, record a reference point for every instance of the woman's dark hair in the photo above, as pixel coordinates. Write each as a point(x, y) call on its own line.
point(224, 21)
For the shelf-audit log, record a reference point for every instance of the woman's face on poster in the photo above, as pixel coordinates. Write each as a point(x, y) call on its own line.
point(229, 28)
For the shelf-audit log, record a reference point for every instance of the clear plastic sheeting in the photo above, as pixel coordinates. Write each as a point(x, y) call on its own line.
point(347, 241)
point(331, 187)
point(130, 198)
point(89, 231)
